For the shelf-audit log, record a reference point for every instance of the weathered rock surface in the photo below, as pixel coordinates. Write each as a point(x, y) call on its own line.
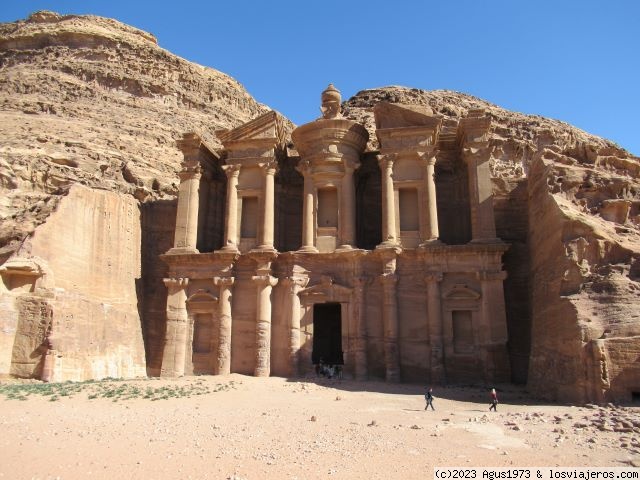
point(569, 204)
point(88, 101)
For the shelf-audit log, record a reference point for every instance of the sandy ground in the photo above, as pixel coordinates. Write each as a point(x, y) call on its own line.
point(250, 428)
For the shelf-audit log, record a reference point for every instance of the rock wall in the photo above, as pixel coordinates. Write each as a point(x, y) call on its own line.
point(84, 308)
point(89, 100)
point(586, 283)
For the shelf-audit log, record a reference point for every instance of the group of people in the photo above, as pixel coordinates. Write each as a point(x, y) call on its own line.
point(328, 371)
point(429, 399)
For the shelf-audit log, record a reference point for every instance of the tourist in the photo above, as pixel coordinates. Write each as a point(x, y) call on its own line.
point(429, 398)
point(494, 400)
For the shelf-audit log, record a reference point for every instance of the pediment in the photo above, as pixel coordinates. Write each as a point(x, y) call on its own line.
point(266, 127)
point(202, 296)
point(327, 289)
point(461, 292)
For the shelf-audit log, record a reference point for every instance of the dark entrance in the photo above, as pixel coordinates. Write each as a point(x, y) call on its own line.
point(327, 334)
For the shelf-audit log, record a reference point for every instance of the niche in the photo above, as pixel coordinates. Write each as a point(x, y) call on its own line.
point(328, 208)
point(462, 331)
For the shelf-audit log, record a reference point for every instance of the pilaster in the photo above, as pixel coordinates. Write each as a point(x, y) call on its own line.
point(494, 324)
point(361, 367)
point(434, 317)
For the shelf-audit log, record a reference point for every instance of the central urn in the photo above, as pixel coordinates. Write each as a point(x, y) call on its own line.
point(330, 149)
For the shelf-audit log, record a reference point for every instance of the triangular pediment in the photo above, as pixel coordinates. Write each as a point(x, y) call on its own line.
point(326, 288)
point(266, 127)
point(461, 292)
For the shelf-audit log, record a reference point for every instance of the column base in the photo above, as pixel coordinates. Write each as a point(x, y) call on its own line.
point(182, 251)
point(264, 249)
point(344, 247)
point(231, 248)
point(307, 249)
point(388, 244)
point(486, 240)
point(433, 242)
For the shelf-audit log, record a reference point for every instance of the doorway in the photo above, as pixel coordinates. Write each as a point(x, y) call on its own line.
point(327, 334)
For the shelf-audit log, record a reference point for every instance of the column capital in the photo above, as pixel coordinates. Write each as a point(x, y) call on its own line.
point(385, 160)
point(223, 281)
point(428, 156)
point(175, 283)
point(295, 283)
point(190, 170)
point(304, 167)
point(477, 151)
point(491, 276)
point(265, 280)
point(269, 167)
point(433, 277)
point(231, 170)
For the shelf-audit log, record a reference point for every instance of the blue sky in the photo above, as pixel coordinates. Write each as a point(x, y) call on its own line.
point(576, 61)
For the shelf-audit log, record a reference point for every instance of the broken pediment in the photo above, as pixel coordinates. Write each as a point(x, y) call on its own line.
point(268, 127)
point(461, 292)
point(397, 115)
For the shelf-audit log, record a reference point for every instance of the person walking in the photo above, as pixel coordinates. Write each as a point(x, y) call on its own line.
point(494, 400)
point(429, 398)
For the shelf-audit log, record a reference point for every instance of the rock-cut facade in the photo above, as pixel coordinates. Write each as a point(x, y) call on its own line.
point(288, 254)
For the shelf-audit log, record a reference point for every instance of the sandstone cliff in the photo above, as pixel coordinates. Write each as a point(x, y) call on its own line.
point(569, 205)
point(90, 110)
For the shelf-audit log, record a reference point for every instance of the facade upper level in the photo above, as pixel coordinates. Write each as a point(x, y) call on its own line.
point(325, 192)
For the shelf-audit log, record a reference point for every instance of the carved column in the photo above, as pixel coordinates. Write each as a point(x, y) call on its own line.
point(294, 284)
point(231, 217)
point(348, 206)
point(269, 170)
point(430, 233)
point(175, 346)
point(483, 226)
point(264, 285)
point(361, 368)
point(186, 233)
point(494, 326)
point(223, 366)
point(389, 234)
point(308, 241)
point(434, 317)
